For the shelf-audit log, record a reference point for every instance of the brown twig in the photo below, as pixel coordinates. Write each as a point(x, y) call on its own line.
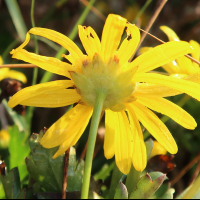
point(196, 172)
point(191, 58)
point(185, 169)
point(66, 164)
point(152, 20)
point(94, 10)
point(18, 66)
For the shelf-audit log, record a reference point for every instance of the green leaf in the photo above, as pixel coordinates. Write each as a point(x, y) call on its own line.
point(160, 192)
point(121, 191)
point(11, 184)
point(169, 194)
point(146, 187)
point(132, 179)
point(155, 175)
point(48, 172)
point(134, 175)
point(75, 174)
point(149, 147)
point(19, 150)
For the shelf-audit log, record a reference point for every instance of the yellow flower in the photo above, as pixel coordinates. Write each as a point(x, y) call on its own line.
point(7, 73)
point(4, 138)
point(126, 85)
point(182, 66)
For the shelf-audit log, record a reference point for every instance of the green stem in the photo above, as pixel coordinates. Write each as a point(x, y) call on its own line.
point(142, 11)
point(17, 18)
point(193, 190)
point(164, 119)
point(91, 143)
point(47, 76)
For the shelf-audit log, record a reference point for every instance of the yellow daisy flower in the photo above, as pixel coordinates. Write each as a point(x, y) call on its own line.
point(128, 96)
point(7, 73)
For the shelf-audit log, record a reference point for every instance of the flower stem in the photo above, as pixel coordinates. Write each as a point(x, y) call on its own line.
point(91, 143)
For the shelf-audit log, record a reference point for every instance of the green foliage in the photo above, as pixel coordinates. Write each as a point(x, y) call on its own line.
point(48, 172)
point(121, 191)
point(12, 186)
point(146, 187)
point(19, 150)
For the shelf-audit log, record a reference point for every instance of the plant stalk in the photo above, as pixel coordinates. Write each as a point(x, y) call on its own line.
point(91, 143)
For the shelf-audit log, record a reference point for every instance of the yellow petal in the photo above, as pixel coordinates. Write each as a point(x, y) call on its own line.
point(3, 72)
point(75, 136)
point(129, 44)
point(155, 90)
point(47, 63)
point(185, 65)
point(139, 149)
point(155, 126)
point(16, 75)
point(123, 142)
point(172, 67)
point(144, 49)
point(53, 99)
point(37, 91)
point(109, 139)
point(111, 36)
point(160, 55)
point(1, 61)
point(168, 108)
point(182, 85)
point(60, 39)
point(66, 129)
point(158, 149)
point(196, 53)
point(170, 33)
point(89, 40)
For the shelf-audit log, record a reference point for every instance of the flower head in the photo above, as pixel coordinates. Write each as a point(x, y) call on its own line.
point(7, 73)
point(130, 90)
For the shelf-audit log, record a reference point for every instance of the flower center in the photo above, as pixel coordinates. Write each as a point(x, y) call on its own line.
point(110, 78)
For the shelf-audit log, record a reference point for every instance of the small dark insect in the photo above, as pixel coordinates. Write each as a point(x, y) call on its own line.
point(8, 88)
point(161, 163)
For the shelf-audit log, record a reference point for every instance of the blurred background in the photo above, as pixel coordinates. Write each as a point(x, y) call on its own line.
point(182, 16)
